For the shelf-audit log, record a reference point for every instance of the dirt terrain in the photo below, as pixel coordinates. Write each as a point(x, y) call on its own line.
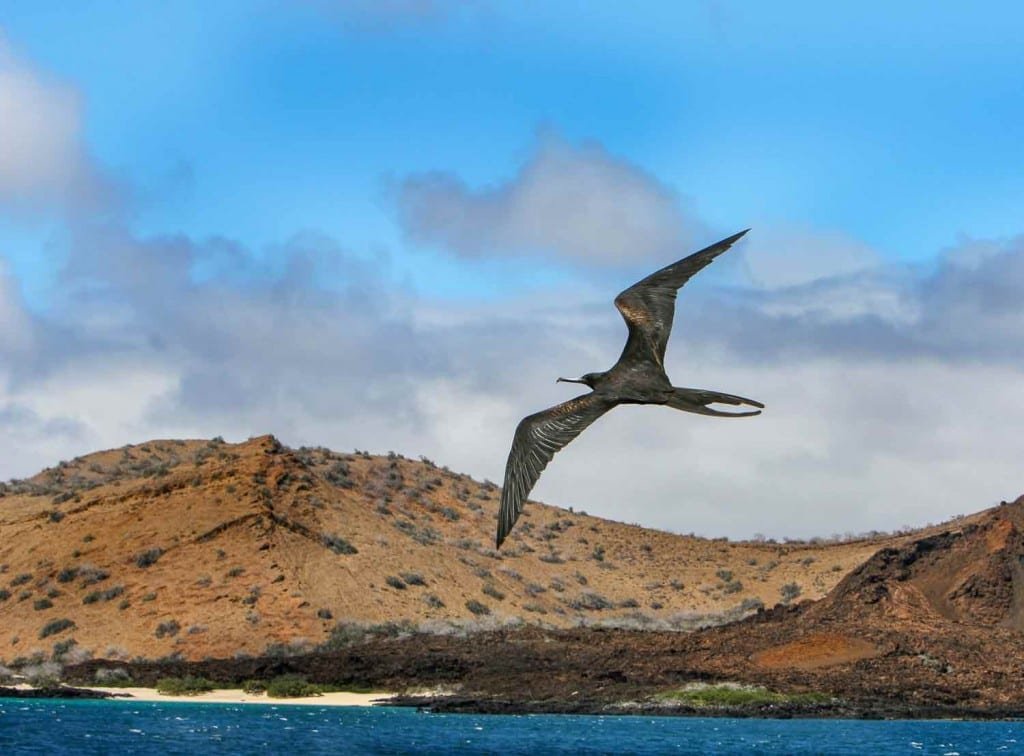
point(206, 549)
point(929, 628)
point(239, 562)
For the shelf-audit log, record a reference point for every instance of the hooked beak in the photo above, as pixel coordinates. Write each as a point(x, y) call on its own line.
point(568, 380)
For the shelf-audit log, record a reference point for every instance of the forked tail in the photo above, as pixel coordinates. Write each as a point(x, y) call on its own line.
point(697, 400)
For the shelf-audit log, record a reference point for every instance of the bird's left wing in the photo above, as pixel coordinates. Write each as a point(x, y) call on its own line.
point(538, 438)
point(649, 306)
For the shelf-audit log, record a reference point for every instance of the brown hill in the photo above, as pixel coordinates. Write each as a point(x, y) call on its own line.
point(207, 549)
point(929, 627)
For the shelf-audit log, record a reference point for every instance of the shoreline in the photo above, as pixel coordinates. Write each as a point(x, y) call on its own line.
point(218, 696)
point(455, 704)
point(238, 696)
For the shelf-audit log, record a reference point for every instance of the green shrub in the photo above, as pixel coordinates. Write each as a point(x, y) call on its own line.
point(254, 687)
point(726, 694)
point(433, 601)
point(337, 544)
point(40, 604)
point(789, 592)
point(167, 629)
point(292, 686)
point(592, 602)
point(184, 686)
point(55, 626)
point(395, 582)
point(493, 592)
point(477, 608)
point(148, 558)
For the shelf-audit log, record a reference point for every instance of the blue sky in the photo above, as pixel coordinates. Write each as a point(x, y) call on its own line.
point(895, 126)
point(451, 166)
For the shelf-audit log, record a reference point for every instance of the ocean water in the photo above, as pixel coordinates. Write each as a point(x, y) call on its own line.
point(124, 727)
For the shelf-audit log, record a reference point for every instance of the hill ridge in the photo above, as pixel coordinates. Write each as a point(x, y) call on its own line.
point(203, 548)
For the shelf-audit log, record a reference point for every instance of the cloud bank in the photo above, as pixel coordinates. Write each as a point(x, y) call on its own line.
point(893, 393)
point(578, 202)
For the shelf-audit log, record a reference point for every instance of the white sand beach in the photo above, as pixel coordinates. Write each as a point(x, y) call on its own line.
point(237, 696)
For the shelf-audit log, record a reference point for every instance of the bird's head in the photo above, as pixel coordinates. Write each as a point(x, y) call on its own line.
point(587, 380)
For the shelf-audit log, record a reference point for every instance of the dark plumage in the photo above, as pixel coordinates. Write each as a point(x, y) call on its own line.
point(638, 377)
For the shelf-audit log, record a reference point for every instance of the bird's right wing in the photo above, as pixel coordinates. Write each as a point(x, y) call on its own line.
point(649, 306)
point(538, 438)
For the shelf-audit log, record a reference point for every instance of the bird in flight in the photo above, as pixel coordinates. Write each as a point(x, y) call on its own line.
point(648, 308)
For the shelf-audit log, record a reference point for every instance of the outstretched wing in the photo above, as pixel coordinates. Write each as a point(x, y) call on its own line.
point(649, 306)
point(538, 438)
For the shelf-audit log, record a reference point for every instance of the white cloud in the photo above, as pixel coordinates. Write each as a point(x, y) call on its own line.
point(579, 202)
point(870, 422)
point(892, 395)
point(42, 157)
point(780, 257)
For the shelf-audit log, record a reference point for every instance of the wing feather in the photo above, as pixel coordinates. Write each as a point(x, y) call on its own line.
point(537, 439)
point(649, 306)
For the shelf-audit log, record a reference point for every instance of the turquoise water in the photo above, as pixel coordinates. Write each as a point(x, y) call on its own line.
point(119, 727)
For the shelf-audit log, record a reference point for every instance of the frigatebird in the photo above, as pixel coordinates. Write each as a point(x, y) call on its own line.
point(638, 377)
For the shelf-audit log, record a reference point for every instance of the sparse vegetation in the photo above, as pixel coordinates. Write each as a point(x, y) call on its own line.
point(170, 628)
point(337, 544)
point(148, 558)
point(113, 677)
point(91, 575)
point(731, 695)
point(491, 590)
point(43, 674)
point(590, 602)
point(751, 605)
point(433, 601)
point(413, 578)
point(789, 592)
point(40, 604)
point(351, 633)
point(55, 626)
point(395, 582)
point(477, 608)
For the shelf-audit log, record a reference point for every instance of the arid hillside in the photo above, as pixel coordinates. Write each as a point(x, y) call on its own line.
point(207, 549)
